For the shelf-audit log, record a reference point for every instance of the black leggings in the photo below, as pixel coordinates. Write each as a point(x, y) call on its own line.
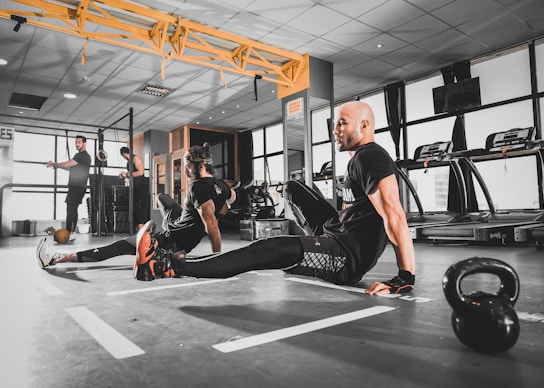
point(125, 246)
point(280, 252)
point(316, 256)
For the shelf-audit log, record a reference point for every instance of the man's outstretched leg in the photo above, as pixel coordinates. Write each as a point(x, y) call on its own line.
point(280, 252)
point(48, 256)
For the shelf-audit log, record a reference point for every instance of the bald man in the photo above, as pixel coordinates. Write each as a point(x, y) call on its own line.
point(339, 247)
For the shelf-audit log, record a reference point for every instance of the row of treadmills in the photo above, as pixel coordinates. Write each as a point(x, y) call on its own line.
point(466, 224)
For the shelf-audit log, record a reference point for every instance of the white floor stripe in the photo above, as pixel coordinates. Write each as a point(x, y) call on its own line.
point(327, 285)
point(48, 288)
point(113, 341)
point(149, 289)
point(232, 346)
point(405, 297)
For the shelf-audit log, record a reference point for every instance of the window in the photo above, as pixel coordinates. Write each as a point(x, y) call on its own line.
point(503, 76)
point(419, 97)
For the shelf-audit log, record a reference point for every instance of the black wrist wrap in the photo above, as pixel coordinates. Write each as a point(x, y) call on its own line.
point(402, 283)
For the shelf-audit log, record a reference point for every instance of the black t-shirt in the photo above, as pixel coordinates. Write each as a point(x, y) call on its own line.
point(79, 174)
point(359, 228)
point(199, 192)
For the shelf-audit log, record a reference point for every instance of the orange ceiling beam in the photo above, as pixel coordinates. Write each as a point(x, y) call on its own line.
point(144, 29)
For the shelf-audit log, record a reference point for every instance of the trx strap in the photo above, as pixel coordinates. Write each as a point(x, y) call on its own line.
point(67, 145)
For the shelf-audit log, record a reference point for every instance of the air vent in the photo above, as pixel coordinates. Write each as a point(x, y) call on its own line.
point(154, 90)
point(26, 101)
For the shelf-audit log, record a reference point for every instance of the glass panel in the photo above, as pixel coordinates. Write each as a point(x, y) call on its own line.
point(377, 103)
point(386, 141)
point(32, 174)
point(35, 148)
point(258, 142)
point(481, 124)
point(321, 154)
point(342, 159)
point(419, 97)
point(541, 109)
point(275, 166)
point(431, 186)
point(113, 171)
point(274, 139)
point(320, 131)
point(539, 54)
point(495, 84)
point(258, 169)
point(62, 176)
point(61, 206)
point(34, 208)
point(428, 133)
point(502, 175)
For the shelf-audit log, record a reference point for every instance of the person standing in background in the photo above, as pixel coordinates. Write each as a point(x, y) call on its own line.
point(78, 168)
point(141, 187)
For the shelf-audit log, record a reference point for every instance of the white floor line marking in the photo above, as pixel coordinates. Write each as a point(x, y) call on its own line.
point(276, 335)
point(48, 288)
point(320, 283)
point(110, 339)
point(149, 289)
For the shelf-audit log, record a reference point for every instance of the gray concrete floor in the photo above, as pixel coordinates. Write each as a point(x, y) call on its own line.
point(93, 325)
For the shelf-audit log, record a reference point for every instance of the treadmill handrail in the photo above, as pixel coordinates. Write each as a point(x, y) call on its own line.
point(412, 189)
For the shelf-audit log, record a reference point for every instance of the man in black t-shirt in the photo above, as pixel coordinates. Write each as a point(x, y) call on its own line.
point(339, 247)
point(78, 168)
point(206, 201)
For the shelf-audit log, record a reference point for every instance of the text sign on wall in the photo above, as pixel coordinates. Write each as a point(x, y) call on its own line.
point(295, 108)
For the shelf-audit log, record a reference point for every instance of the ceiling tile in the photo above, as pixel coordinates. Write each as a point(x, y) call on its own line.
point(318, 20)
point(390, 15)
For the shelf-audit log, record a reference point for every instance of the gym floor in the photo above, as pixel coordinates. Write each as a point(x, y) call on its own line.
point(82, 325)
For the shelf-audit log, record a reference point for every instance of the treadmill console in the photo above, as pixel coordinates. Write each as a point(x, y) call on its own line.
point(432, 151)
point(513, 139)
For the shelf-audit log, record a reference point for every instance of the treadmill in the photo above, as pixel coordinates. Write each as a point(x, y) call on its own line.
point(496, 226)
point(532, 233)
point(429, 156)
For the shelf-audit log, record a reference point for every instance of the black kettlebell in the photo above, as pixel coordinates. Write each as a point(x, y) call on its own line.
point(484, 322)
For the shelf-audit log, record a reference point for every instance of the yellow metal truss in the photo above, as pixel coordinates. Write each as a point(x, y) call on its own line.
point(134, 26)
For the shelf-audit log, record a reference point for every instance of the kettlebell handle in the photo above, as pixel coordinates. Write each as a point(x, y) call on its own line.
point(451, 283)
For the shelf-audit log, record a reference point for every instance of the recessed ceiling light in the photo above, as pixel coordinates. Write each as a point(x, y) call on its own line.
point(379, 45)
point(237, 105)
point(21, 112)
point(3, 62)
point(198, 122)
point(70, 95)
point(210, 117)
point(223, 112)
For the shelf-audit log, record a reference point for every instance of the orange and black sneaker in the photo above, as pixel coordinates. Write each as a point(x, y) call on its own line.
point(144, 265)
point(152, 262)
